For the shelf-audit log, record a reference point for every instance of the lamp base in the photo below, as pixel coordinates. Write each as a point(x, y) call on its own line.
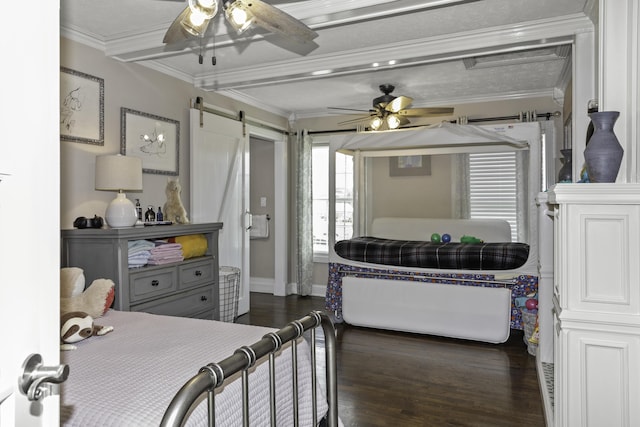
point(121, 212)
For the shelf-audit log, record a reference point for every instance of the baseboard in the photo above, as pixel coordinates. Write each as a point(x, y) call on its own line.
point(266, 285)
point(263, 285)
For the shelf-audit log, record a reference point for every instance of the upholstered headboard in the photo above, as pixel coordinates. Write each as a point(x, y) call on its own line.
point(489, 230)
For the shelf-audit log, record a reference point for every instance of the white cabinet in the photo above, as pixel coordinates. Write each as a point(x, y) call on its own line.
point(596, 304)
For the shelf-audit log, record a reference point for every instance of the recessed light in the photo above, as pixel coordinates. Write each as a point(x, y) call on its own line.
point(375, 64)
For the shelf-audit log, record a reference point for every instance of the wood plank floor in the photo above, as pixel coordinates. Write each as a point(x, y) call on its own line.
point(388, 378)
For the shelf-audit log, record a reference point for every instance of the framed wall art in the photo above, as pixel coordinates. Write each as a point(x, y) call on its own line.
point(410, 166)
point(81, 107)
point(154, 139)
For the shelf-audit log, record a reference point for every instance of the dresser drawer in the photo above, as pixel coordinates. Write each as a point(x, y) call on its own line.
point(145, 284)
point(195, 273)
point(184, 304)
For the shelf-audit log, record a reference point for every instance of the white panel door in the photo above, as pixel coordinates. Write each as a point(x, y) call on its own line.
point(29, 211)
point(220, 189)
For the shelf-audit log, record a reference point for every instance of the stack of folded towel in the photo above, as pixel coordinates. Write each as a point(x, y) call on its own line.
point(165, 252)
point(139, 252)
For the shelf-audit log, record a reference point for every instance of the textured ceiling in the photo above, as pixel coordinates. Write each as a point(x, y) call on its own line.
point(437, 52)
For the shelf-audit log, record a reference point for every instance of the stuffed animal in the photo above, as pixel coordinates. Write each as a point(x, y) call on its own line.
point(95, 300)
point(173, 209)
point(76, 326)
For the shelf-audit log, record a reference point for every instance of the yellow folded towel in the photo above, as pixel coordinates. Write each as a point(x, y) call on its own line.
point(193, 245)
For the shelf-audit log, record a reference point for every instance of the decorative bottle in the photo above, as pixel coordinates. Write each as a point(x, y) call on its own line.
point(139, 209)
point(603, 154)
point(149, 215)
point(159, 215)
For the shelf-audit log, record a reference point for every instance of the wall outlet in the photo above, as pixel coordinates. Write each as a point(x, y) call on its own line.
point(263, 202)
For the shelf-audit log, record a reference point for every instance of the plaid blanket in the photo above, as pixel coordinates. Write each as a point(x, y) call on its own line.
point(410, 253)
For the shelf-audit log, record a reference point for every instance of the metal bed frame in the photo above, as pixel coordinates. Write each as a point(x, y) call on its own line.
point(213, 375)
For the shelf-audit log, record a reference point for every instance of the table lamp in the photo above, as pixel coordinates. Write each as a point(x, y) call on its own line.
point(119, 173)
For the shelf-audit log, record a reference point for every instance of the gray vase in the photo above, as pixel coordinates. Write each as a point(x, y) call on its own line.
point(603, 154)
point(565, 174)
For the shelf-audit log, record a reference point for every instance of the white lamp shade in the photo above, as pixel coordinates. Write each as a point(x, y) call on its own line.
point(119, 173)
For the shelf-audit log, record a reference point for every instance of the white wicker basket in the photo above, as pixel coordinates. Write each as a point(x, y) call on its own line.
point(229, 293)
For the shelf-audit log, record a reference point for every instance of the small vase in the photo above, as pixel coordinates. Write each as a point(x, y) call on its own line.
point(566, 171)
point(603, 154)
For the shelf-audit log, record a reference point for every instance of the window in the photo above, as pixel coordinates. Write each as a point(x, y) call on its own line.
point(493, 188)
point(344, 198)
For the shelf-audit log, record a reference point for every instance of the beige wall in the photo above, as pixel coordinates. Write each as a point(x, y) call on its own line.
point(262, 185)
point(426, 196)
point(142, 89)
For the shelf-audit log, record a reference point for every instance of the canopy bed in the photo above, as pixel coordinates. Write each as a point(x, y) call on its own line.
point(392, 274)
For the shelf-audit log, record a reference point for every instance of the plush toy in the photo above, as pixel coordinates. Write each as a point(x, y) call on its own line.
point(95, 300)
point(80, 306)
point(173, 209)
point(76, 326)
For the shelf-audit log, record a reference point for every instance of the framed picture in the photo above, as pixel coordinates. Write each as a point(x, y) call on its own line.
point(410, 166)
point(154, 139)
point(81, 107)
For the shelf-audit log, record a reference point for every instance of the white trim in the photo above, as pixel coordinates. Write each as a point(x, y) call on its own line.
point(280, 213)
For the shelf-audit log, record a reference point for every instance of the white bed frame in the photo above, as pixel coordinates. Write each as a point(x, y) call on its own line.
point(457, 311)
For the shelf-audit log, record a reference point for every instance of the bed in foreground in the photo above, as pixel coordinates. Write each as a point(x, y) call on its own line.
point(130, 376)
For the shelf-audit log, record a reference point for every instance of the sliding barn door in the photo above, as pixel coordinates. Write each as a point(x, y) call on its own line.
point(220, 189)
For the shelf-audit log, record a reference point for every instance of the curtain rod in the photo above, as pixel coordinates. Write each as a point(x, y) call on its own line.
point(547, 116)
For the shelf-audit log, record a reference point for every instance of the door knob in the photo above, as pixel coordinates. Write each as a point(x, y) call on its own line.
point(39, 381)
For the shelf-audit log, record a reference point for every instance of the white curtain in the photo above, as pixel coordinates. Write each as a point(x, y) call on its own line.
point(460, 190)
point(522, 196)
point(304, 218)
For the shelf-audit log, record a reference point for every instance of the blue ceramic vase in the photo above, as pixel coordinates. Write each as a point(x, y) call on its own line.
point(603, 154)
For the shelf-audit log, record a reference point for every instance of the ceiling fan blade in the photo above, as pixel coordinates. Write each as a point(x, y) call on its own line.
point(277, 21)
point(349, 109)
point(357, 120)
point(176, 33)
point(423, 112)
point(399, 103)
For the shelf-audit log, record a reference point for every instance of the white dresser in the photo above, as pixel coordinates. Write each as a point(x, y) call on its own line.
point(595, 305)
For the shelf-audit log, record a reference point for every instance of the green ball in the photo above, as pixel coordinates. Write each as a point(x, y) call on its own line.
point(435, 238)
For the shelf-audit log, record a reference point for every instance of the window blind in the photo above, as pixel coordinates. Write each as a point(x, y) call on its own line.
point(493, 187)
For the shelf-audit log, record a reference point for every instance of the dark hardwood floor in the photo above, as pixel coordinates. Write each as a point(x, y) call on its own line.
point(389, 378)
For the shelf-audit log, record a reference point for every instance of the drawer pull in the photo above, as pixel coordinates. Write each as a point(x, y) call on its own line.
point(155, 282)
point(203, 298)
point(198, 273)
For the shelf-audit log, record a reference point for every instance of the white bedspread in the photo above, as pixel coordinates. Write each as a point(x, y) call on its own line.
point(129, 376)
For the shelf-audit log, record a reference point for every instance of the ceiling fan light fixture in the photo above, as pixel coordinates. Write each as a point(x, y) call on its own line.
point(393, 121)
point(207, 8)
point(200, 12)
point(376, 123)
point(239, 16)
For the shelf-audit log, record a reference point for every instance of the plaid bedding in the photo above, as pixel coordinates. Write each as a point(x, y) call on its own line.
point(410, 253)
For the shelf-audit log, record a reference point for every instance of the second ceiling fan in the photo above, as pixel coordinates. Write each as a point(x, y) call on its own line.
point(391, 112)
point(194, 20)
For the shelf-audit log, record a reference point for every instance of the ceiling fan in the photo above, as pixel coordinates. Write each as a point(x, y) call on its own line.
point(194, 20)
point(391, 112)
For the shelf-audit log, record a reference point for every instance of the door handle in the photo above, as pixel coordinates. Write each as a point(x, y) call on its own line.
point(248, 219)
point(39, 381)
